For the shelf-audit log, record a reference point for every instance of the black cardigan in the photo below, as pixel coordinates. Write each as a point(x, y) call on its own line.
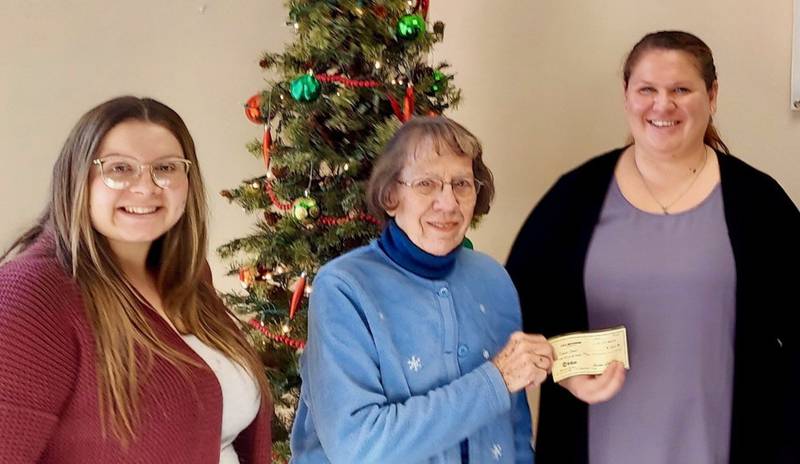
point(547, 263)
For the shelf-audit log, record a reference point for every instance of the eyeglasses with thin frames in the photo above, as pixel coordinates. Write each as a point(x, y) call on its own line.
point(120, 172)
point(463, 188)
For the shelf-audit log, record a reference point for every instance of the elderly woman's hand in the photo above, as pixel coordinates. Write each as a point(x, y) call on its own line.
point(525, 360)
point(594, 389)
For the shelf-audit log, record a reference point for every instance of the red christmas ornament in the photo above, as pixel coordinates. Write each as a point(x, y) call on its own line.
point(407, 111)
point(425, 5)
point(247, 276)
point(252, 109)
point(266, 146)
point(299, 288)
point(408, 103)
point(395, 107)
point(422, 6)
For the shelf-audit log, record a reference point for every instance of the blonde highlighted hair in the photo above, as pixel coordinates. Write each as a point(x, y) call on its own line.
point(177, 259)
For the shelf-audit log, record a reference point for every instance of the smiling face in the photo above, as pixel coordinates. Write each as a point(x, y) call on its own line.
point(437, 223)
point(137, 215)
point(667, 104)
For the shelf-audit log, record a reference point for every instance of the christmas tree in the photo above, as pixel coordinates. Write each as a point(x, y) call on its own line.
point(355, 72)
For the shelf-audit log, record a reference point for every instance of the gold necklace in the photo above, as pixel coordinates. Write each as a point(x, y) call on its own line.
point(694, 172)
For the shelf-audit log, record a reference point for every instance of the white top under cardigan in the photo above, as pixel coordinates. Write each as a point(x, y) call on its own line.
point(241, 398)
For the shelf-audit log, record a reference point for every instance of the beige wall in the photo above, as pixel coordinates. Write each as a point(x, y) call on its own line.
point(540, 79)
point(61, 57)
point(542, 86)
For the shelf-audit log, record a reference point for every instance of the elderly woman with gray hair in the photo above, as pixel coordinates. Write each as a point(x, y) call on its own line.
point(414, 352)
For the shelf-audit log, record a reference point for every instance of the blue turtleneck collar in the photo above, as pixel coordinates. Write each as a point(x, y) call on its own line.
point(395, 243)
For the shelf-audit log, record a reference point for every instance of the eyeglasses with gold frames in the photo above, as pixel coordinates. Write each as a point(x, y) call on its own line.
point(120, 172)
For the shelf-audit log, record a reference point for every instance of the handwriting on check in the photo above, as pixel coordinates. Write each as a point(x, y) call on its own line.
point(589, 352)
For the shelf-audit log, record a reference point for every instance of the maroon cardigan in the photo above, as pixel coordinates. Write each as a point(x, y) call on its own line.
point(49, 393)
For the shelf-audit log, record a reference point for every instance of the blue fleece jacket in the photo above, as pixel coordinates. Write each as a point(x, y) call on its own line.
point(396, 368)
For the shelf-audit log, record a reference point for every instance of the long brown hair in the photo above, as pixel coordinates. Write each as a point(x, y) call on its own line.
point(703, 59)
point(177, 259)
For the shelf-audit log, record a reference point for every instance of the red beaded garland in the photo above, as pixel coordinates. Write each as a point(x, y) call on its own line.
point(288, 341)
point(359, 216)
point(347, 81)
point(274, 198)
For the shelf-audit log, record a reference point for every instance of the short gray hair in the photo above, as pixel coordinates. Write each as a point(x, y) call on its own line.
point(445, 136)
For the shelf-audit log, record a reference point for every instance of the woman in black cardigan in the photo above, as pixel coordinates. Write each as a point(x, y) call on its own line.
point(695, 252)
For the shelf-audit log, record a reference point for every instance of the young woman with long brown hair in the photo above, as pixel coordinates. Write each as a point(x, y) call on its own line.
point(114, 346)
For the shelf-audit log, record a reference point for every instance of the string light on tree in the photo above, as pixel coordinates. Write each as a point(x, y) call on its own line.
point(359, 8)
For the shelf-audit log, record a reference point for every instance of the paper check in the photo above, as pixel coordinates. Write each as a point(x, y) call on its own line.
point(589, 352)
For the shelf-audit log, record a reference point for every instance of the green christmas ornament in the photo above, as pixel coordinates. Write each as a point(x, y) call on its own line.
point(467, 243)
point(305, 209)
point(410, 27)
point(305, 88)
point(439, 83)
